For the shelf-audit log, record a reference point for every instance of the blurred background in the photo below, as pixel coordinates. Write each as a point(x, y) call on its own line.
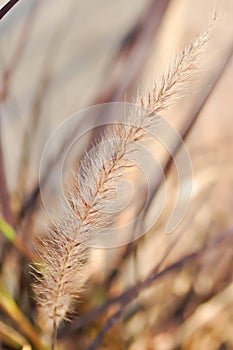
point(59, 57)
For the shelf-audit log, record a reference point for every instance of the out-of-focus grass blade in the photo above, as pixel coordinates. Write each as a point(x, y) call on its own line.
point(12, 338)
point(8, 231)
point(13, 237)
point(10, 307)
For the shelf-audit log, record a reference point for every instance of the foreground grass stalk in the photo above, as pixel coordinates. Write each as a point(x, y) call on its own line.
point(54, 337)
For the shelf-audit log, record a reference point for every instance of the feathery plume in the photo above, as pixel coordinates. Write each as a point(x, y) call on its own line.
point(64, 268)
point(174, 82)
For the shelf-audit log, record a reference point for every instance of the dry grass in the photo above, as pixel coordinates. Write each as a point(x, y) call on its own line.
point(160, 292)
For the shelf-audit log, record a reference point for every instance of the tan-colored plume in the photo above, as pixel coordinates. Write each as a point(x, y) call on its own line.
point(64, 260)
